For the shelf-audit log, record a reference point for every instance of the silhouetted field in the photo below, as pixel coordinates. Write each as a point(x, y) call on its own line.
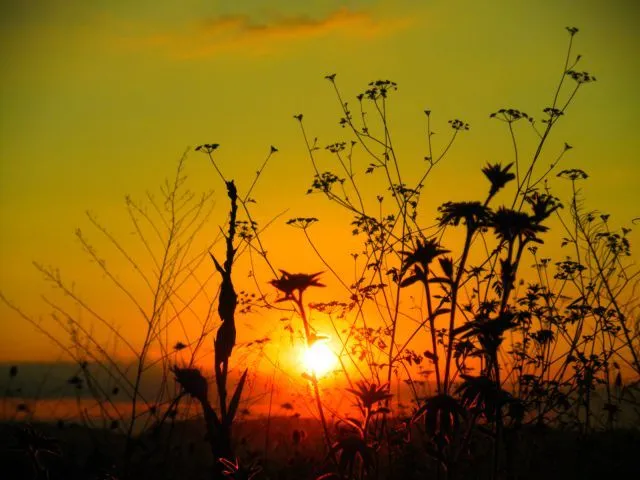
point(295, 451)
point(462, 349)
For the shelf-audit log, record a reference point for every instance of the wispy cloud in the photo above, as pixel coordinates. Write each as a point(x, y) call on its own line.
point(238, 34)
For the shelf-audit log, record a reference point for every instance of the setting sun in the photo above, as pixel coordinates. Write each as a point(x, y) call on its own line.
point(319, 358)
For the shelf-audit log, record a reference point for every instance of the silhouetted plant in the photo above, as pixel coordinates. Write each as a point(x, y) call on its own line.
point(515, 337)
point(293, 286)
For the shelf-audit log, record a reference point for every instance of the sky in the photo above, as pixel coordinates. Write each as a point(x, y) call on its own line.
point(99, 100)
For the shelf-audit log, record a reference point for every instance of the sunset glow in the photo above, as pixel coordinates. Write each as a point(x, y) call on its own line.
point(333, 235)
point(319, 358)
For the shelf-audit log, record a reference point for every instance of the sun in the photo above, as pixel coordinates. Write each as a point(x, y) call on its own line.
point(319, 359)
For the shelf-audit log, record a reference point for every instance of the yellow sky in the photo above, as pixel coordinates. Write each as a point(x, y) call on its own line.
point(99, 100)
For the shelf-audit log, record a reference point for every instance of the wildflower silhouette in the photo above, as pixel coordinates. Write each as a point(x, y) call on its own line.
point(509, 225)
point(358, 440)
point(368, 394)
point(543, 205)
point(474, 214)
point(421, 256)
point(573, 174)
point(458, 125)
point(357, 443)
point(289, 283)
point(207, 147)
point(352, 448)
point(581, 77)
point(498, 176)
point(489, 333)
point(442, 415)
point(302, 222)
point(510, 115)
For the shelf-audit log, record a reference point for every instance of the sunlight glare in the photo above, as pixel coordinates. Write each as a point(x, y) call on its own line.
point(319, 359)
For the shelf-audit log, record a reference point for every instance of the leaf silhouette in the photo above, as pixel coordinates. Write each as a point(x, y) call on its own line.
point(235, 399)
point(446, 264)
point(410, 281)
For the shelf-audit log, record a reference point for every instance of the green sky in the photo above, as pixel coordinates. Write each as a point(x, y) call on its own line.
point(99, 99)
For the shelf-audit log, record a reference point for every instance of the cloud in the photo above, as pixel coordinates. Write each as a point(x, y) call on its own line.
point(238, 34)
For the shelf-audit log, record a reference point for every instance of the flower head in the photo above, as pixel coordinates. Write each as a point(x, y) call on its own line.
point(423, 254)
point(510, 224)
point(573, 174)
point(368, 394)
point(458, 125)
point(207, 147)
point(498, 176)
point(474, 214)
point(289, 283)
point(581, 77)
point(543, 205)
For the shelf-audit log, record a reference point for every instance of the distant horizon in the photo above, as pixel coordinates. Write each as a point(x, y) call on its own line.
point(60, 401)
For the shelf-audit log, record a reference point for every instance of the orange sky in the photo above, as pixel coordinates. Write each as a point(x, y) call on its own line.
point(100, 99)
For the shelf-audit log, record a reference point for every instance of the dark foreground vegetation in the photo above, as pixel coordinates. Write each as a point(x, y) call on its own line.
point(532, 362)
point(70, 452)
